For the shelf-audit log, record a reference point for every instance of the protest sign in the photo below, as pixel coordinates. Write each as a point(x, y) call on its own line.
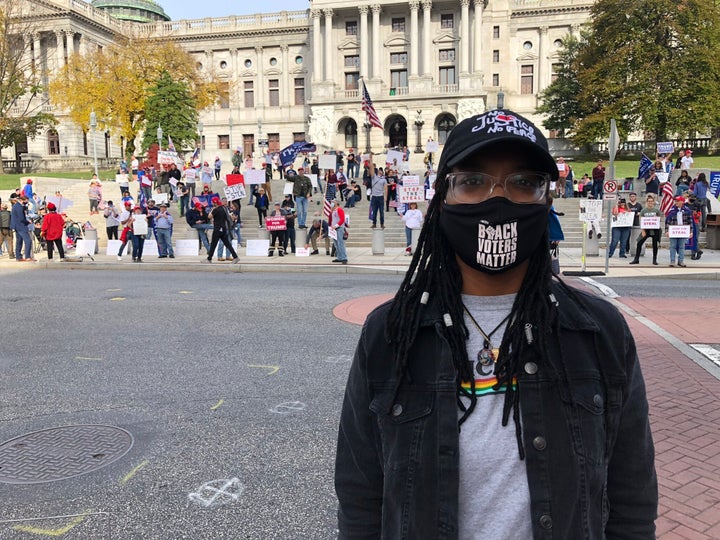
point(623, 219)
point(590, 209)
point(113, 246)
point(233, 179)
point(411, 180)
point(187, 247)
point(314, 180)
point(139, 224)
point(665, 148)
point(160, 198)
point(651, 222)
point(122, 179)
point(662, 177)
point(679, 231)
point(254, 176)
point(394, 158)
point(408, 194)
point(173, 182)
point(150, 248)
point(429, 194)
point(327, 161)
point(257, 248)
point(288, 189)
point(85, 246)
point(432, 146)
point(235, 192)
point(302, 252)
point(275, 223)
point(166, 157)
point(332, 233)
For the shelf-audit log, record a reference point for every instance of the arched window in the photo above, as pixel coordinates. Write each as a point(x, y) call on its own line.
point(350, 134)
point(53, 143)
point(445, 125)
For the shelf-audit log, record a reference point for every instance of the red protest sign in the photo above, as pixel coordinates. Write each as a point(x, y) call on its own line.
point(275, 223)
point(233, 179)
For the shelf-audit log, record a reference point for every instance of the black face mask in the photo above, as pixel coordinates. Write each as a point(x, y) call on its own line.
point(495, 235)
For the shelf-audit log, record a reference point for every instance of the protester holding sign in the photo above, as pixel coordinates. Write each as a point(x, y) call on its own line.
point(649, 228)
point(678, 224)
point(261, 205)
point(277, 225)
point(622, 223)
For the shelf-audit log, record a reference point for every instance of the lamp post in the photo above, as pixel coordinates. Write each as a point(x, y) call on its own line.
point(368, 126)
point(419, 122)
point(159, 137)
point(200, 131)
point(230, 125)
point(501, 100)
point(260, 127)
point(93, 126)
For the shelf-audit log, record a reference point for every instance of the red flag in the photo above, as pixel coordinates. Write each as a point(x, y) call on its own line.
point(667, 198)
point(369, 109)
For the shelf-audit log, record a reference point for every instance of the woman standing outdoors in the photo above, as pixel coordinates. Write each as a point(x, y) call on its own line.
point(620, 234)
point(413, 219)
point(654, 234)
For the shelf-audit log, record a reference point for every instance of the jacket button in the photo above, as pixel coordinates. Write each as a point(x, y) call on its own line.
point(531, 368)
point(546, 522)
point(397, 409)
point(598, 400)
point(539, 443)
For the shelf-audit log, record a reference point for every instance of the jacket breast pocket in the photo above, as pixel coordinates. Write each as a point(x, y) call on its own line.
point(403, 421)
point(594, 408)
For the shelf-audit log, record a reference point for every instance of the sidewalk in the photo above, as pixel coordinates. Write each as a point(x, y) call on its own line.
point(362, 260)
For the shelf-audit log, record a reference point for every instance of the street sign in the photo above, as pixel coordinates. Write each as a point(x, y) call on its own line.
point(610, 197)
point(610, 186)
point(264, 143)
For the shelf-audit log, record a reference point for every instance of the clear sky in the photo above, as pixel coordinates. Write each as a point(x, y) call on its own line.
point(192, 9)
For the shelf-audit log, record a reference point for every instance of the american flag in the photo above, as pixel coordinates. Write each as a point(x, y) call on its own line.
point(367, 106)
point(667, 198)
point(196, 154)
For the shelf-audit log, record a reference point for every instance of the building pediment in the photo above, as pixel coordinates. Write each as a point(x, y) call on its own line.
point(39, 8)
point(527, 57)
point(445, 38)
point(396, 41)
point(349, 44)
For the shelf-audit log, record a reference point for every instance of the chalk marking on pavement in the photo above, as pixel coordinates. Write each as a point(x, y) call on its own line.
point(77, 520)
point(680, 345)
point(708, 351)
point(604, 289)
point(273, 369)
point(86, 358)
point(113, 290)
point(217, 405)
point(209, 494)
point(185, 292)
point(340, 359)
point(288, 407)
point(132, 473)
point(117, 299)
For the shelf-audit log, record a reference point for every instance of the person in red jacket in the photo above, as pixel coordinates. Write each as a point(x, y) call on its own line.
point(52, 230)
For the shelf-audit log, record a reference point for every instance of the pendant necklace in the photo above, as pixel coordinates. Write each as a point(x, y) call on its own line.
point(487, 355)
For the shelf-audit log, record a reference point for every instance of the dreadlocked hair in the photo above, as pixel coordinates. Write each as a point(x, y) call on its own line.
point(434, 270)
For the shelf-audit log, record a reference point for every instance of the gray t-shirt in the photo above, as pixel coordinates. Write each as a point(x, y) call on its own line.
point(377, 186)
point(494, 495)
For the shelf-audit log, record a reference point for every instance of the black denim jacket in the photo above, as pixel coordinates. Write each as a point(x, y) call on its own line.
point(589, 451)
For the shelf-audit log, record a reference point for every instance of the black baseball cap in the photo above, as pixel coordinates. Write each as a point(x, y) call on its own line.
point(496, 128)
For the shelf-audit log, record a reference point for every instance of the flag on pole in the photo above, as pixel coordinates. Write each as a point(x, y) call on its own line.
point(645, 165)
point(196, 155)
point(142, 200)
point(369, 108)
point(171, 146)
point(327, 207)
point(667, 198)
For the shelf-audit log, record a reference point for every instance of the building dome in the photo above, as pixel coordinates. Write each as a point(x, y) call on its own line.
point(142, 11)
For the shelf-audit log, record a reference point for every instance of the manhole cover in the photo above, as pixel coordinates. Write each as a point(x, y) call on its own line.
point(60, 453)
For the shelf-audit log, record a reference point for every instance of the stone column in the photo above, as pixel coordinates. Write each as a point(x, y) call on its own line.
point(328, 44)
point(477, 53)
point(60, 50)
point(427, 35)
point(543, 67)
point(464, 36)
point(364, 41)
point(260, 92)
point(317, 47)
point(285, 81)
point(376, 9)
point(414, 37)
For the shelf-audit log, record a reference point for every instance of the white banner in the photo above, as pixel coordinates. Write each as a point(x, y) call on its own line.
point(166, 157)
point(113, 246)
point(650, 222)
point(288, 189)
point(139, 224)
point(623, 219)
point(257, 248)
point(85, 247)
point(408, 194)
point(590, 209)
point(327, 161)
point(302, 252)
point(160, 198)
point(410, 180)
point(432, 146)
point(187, 247)
point(679, 231)
point(235, 192)
point(255, 176)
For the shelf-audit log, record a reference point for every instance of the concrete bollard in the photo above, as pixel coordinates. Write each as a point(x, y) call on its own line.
point(378, 242)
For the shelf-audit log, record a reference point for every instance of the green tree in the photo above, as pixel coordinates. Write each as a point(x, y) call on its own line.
point(170, 105)
point(21, 92)
point(653, 65)
point(559, 101)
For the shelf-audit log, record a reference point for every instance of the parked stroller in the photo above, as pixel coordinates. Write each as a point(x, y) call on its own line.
point(73, 233)
point(39, 243)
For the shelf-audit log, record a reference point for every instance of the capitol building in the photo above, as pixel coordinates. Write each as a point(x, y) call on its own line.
point(297, 75)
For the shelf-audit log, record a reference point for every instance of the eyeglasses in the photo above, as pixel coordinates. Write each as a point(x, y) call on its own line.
point(523, 187)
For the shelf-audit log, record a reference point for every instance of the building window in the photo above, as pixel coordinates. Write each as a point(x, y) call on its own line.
point(398, 58)
point(445, 126)
point(398, 79)
point(446, 55)
point(298, 60)
point(300, 91)
point(496, 56)
point(447, 75)
point(496, 79)
point(527, 45)
point(224, 95)
point(248, 63)
point(351, 134)
point(248, 144)
point(352, 61)
point(526, 79)
point(274, 92)
point(351, 28)
point(558, 43)
point(298, 136)
point(398, 24)
point(351, 80)
point(223, 142)
point(496, 32)
point(223, 65)
point(273, 61)
point(249, 96)
point(447, 20)
point(53, 143)
point(273, 142)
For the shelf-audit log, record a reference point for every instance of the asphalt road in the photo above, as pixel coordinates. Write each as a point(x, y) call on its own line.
point(229, 384)
point(216, 376)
